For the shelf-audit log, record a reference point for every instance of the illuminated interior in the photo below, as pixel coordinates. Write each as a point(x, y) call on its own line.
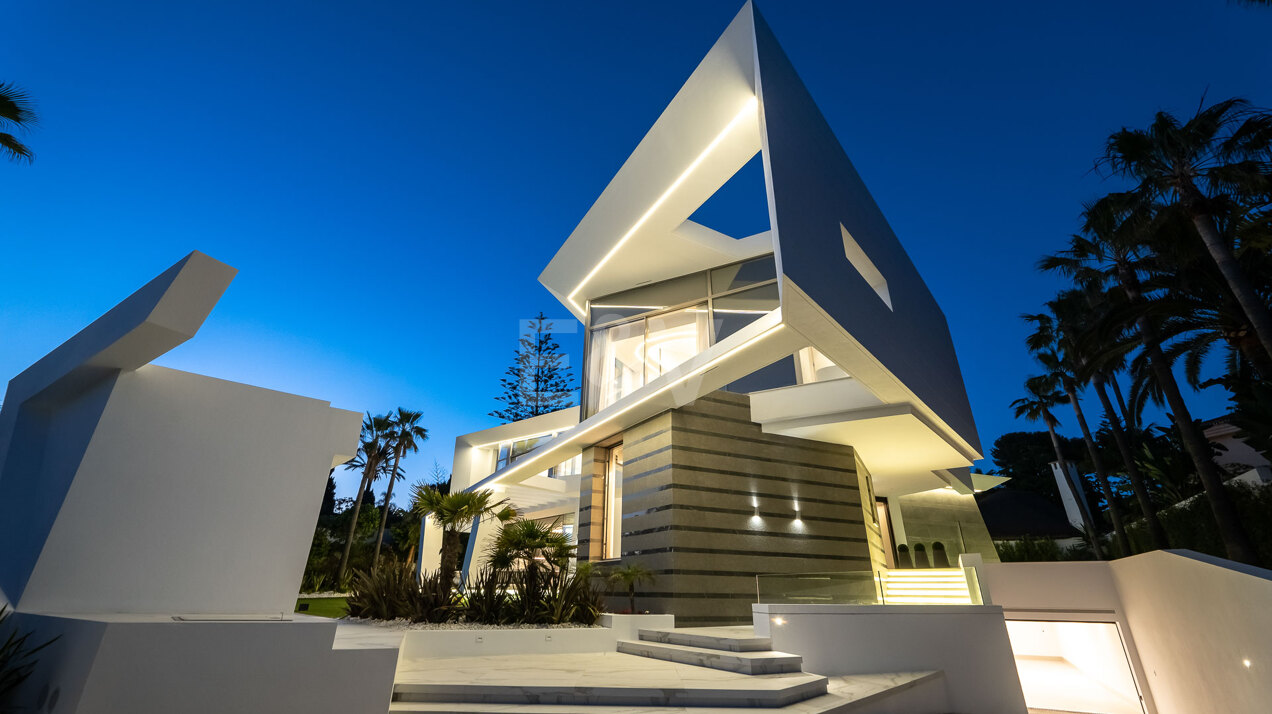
point(641, 334)
point(1074, 667)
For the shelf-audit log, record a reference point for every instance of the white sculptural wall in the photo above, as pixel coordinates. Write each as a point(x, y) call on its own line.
point(194, 496)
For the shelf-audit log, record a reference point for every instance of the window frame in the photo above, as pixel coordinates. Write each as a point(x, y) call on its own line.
point(709, 299)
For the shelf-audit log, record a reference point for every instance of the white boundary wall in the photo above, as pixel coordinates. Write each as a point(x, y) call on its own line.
point(967, 642)
point(1189, 621)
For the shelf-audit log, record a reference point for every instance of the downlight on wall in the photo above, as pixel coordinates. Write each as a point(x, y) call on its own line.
point(748, 109)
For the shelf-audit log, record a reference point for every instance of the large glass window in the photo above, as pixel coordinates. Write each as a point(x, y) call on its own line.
point(616, 363)
point(649, 298)
point(673, 337)
point(641, 334)
point(510, 451)
point(732, 312)
point(740, 275)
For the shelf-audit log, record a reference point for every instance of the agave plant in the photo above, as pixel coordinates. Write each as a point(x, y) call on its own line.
point(17, 657)
point(487, 598)
point(395, 592)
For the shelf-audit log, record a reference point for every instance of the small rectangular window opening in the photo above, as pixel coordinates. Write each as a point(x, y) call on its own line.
point(858, 258)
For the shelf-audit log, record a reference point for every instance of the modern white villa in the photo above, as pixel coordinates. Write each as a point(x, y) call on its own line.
point(783, 402)
point(774, 424)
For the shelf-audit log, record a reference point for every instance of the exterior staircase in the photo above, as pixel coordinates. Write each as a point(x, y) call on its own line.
point(711, 669)
point(927, 586)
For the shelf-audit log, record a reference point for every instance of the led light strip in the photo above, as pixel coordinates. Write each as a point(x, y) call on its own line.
point(489, 444)
point(747, 109)
point(488, 482)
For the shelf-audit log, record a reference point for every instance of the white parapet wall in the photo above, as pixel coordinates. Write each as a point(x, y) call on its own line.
point(1203, 628)
point(968, 643)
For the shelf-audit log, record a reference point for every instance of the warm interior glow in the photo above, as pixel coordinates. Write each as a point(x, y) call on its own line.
point(927, 586)
point(589, 431)
point(746, 111)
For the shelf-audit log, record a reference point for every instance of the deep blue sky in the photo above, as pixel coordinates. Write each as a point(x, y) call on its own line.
point(390, 177)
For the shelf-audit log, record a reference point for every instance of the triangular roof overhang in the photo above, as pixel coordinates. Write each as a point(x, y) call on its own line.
point(847, 285)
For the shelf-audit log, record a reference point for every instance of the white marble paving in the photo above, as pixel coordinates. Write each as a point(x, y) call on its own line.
point(846, 695)
point(594, 678)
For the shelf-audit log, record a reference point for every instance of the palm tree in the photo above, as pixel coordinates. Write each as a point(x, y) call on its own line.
point(16, 112)
point(532, 545)
point(405, 436)
point(1196, 305)
point(629, 576)
point(1054, 346)
point(1098, 335)
point(1222, 152)
point(1036, 406)
point(1113, 237)
point(454, 512)
point(371, 459)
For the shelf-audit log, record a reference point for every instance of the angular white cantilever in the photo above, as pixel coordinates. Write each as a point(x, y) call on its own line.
point(127, 487)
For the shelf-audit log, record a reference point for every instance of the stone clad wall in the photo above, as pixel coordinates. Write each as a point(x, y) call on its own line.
point(942, 515)
point(709, 501)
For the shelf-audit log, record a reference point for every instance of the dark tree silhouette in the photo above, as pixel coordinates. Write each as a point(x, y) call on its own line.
point(538, 382)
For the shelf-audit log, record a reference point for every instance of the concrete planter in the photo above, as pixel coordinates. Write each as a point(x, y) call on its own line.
point(476, 643)
point(625, 626)
point(554, 640)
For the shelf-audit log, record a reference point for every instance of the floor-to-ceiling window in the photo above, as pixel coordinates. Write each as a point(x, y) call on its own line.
point(638, 335)
point(611, 532)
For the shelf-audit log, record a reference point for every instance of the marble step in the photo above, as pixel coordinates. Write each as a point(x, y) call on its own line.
point(761, 662)
point(894, 692)
point(825, 704)
point(729, 639)
point(773, 691)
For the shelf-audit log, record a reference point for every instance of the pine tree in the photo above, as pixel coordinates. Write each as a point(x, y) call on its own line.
point(538, 382)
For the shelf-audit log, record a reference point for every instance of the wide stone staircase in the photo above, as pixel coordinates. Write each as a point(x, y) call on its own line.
point(704, 669)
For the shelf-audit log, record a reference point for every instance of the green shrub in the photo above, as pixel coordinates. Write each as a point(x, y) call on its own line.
point(1029, 549)
point(572, 596)
point(1191, 525)
point(394, 592)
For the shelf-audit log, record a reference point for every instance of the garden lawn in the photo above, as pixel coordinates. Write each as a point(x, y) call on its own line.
point(333, 607)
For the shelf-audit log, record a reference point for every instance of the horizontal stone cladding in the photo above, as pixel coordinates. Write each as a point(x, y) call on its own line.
point(710, 501)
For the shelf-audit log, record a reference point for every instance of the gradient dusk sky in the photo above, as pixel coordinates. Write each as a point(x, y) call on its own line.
point(390, 177)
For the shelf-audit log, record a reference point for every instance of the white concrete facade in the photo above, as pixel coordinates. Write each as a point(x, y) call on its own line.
point(901, 398)
point(873, 361)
